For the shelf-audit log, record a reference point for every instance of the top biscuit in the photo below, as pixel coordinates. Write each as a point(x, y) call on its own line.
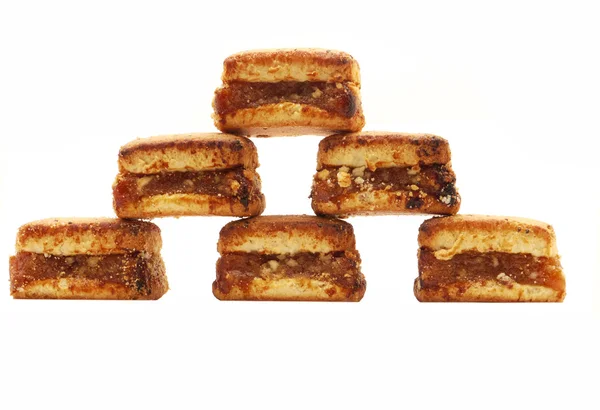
point(376, 149)
point(452, 235)
point(287, 234)
point(88, 236)
point(187, 152)
point(298, 64)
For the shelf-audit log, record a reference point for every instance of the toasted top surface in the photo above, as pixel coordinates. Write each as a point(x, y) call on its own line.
point(286, 234)
point(451, 235)
point(297, 64)
point(377, 149)
point(88, 236)
point(187, 152)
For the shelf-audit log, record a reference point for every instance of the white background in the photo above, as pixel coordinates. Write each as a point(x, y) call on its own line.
point(513, 87)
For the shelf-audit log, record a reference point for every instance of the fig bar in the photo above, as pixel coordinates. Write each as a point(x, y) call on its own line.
point(289, 92)
point(304, 258)
point(88, 259)
point(374, 173)
point(187, 175)
point(473, 258)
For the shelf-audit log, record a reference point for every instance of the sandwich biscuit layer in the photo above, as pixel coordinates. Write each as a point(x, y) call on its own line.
point(485, 258)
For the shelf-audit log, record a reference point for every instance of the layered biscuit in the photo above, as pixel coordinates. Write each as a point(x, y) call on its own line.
point(289, 92)
point(372, 173)
point(302, 258)
point(187, 175)
point(473, 258)
point(91, 258)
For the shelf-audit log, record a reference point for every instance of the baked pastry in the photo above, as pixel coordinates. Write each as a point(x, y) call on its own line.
point(473, 258)
point(303, 258)
point(185, 175)
point(88, 259)
point(384, 173)
point(289, 92)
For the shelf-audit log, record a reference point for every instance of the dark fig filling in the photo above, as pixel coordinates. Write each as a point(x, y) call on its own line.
point(240, 269)
point(336, 98)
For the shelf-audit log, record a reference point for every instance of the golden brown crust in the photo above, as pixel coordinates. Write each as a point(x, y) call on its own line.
point(88, 236)
point(288, 119)
point(448, 236)
point(83, 288)
point(381, 202)
point(377, 149)
point(187, 152)
point(488, 291)
point(158, 206)
point(286, 234)
point(292, 289)
point(299, 64)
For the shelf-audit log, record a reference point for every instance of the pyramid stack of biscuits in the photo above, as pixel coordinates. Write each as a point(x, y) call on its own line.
point(288, 92)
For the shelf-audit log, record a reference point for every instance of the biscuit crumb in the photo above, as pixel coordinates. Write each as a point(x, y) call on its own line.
point(495, 262)
point(323, 175)
point(359, 180)
point(338, 85)
point(504, 278)
point(358, 172)
point(446, 199)
point(414, 187)
point(235, 186)
point(412, 171)
point(291, 262)
point(142, 182)
point(317, 93)
point(273, 264)
point(344, 179)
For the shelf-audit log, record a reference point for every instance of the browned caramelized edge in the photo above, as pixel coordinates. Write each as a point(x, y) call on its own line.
point(429, 145)
point(485, 223)
point(137, 235)
point(235, 145)
point(317, 227)
point(320, 57)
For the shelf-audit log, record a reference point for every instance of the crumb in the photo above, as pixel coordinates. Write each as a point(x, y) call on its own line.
point(358, 172)
point(446, 199)
point(344, 179)
point(235, 186)
point(495, 262)
point(413, 170)
point(323, 175)
point(504, 278)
